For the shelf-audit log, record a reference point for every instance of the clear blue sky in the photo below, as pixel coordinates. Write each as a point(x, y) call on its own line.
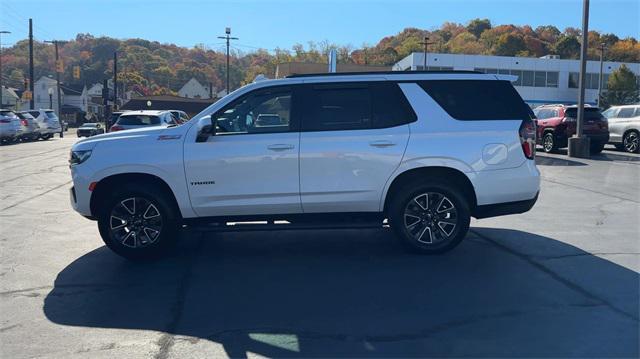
point(271, 24)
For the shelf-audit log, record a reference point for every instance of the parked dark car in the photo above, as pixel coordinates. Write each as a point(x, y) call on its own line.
point(557, 123)
point(90, 129)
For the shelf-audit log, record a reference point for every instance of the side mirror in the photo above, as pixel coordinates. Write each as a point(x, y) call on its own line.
point(207, 128)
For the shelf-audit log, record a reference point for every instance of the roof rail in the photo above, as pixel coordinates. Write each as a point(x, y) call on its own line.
point(333, 74)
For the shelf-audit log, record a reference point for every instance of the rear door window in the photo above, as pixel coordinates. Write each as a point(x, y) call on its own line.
point(338, 107)
point(478, 100)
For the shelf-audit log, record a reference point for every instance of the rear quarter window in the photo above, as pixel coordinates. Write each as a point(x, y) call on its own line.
point(478, 100)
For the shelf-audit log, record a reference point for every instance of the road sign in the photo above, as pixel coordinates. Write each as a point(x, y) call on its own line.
point(59, 66)
point(27, 95)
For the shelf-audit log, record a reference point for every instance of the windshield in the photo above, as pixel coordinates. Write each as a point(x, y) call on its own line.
point(138, 120)
point(590, 113)
point(89, 125)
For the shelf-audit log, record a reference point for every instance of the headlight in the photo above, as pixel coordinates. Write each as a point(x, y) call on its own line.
point(77, 157)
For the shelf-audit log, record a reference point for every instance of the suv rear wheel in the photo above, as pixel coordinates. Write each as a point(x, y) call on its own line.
point(138, 223)
point(549, 143)
point(429, 217)
point(630, 142)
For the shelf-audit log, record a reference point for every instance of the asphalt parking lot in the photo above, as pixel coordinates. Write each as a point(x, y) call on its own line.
point(559, 281)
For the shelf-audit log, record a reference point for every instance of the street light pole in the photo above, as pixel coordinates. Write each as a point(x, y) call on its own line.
point(50, 91)
point(580, 146)
point(602, 48)
point(426, 44)
point(1, 90)
point(227, 37)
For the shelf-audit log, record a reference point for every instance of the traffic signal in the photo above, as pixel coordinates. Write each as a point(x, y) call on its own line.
point(76, 72)
point(59, 66)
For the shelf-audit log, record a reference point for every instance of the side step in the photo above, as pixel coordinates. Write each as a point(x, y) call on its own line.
point(283, 226)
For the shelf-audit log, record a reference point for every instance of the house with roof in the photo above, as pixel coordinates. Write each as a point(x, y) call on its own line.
point(10, 99)
point(194, 89)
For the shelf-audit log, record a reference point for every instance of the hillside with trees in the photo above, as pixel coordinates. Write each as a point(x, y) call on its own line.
point(154, 68)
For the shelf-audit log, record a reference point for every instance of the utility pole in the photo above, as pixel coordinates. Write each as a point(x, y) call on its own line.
point(426, 44)
point(59, 69)
point(603, 47)
point(31, 101)
point(579, 146)
point(1, 89)
point(228, 37)
point(115, 80)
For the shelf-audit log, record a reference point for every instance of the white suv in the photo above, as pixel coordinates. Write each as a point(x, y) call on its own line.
point(421, 152)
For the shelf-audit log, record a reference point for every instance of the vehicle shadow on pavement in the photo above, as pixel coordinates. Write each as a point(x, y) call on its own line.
point(542, 160)
point(356, 293)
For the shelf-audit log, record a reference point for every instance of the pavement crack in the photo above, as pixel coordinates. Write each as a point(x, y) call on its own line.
point(589, 190)
point(35, 196)
point(566, 282)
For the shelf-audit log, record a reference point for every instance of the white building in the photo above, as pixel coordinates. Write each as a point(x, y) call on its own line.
point(194, 89)
point(540, 80)
point(41, 89)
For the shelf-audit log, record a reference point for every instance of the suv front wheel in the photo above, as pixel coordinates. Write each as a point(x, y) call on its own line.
point(429, 217)
point(138, 222)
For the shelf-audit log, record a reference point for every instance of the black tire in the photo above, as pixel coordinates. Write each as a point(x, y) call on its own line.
point(619, 146)
point(596, 147)
point(134, 237)
point(46, 137)
point(409, 232)
point(630, 142)
point(549, 143)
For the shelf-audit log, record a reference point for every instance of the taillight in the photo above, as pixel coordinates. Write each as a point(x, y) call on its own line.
point(528, 138)
point(24, 122)
point(116, 128)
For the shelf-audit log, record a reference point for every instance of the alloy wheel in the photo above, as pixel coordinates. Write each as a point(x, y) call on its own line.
point(135, 222)
point(430, 218)
point(548, 143)
point(631, 142)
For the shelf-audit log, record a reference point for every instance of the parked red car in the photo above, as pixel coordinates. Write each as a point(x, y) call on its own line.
point(557, 123)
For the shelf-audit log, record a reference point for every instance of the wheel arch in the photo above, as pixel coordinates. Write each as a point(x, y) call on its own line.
point(450, 174)
point(107, 184)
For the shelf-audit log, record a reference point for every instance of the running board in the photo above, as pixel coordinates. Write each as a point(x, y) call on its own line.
point(282, 226)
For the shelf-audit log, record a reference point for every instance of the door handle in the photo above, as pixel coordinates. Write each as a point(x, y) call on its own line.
point(280, 147)
point(381, 143)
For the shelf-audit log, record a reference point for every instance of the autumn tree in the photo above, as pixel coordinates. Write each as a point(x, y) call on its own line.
point(568, 47)
point(478, 26)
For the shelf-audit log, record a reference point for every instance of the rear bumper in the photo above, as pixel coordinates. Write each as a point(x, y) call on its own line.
point(502, 209)
point(598, 137)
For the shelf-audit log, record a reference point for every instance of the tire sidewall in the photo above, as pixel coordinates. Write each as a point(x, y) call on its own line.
point(402, 197)
point(168, 233)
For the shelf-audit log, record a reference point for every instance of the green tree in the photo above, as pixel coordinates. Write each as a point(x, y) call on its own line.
point(509, 45)
point(478, 26)
point(622, 88)
point(568, 47)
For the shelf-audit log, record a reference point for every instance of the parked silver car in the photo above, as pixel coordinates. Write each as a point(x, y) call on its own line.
point(31, 130)
point(48, 122)
point(138, 119)
point(624, 127)
point(10, 128)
